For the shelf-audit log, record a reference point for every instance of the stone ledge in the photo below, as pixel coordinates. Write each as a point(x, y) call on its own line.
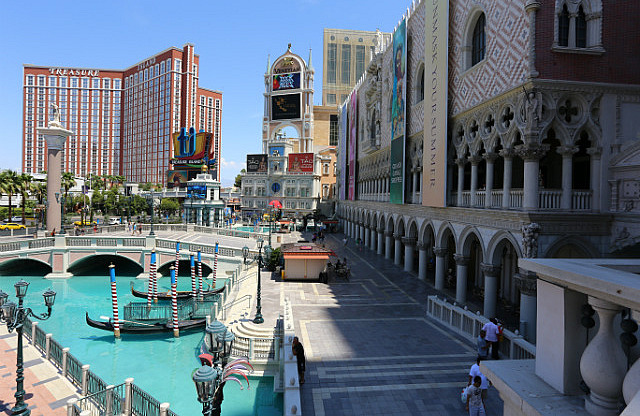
point(525, 394)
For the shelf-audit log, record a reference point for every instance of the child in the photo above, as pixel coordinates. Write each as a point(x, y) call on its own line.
point(475, 406)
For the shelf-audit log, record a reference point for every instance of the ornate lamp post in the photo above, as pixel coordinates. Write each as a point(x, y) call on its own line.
point(14, 316)
point(206, 380)
point(61, 199)
point(259, 319)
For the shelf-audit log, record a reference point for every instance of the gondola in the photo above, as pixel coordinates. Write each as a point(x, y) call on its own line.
point(146, 328)
point(181, 294)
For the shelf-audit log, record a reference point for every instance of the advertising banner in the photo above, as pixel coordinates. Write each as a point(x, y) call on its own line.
point(191, 147)
point(197, 192)
point(176, 178)
point(257, 163)
point(286, 82)
point(276, 151)
point(342, 163)
point(436, 73)
point(300, 163)
point(353, 141)
point(398, 109)
point(285, 107)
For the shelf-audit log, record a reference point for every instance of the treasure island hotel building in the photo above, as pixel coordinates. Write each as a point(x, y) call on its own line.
point(122, 120)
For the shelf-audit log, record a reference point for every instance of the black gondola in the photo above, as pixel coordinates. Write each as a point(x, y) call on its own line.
point(181, 294)
point(146, 328)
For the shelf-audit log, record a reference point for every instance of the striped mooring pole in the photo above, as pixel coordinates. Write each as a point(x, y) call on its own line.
point(177, 266)
point(174, 302)
point(152, 272)
point(114, 301)
point(200, 274)
point(154, 275)
point(215, 267)
point(193, 275)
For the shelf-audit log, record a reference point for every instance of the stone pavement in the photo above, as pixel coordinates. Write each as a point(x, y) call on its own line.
point(370, 348)
point(47, 392)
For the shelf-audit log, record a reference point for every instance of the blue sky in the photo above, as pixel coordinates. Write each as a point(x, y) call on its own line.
point(233, 39)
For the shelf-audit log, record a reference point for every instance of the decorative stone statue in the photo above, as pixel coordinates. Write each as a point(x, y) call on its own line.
point(56, 117)
point(530, 240)
point(532, 113)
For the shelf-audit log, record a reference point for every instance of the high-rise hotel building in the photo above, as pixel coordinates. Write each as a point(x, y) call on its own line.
point(123, 120)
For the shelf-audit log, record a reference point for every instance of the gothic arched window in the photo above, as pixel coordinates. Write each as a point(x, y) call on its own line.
point(563, 27)
point(479, 41)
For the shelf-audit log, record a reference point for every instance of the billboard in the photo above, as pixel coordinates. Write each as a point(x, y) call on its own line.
point(353, 133)
point(300, 163)
point(257, 163)
point(286, 82)
point(343, 153)
point(285, 107)
point(398, 109)
point(276, 151)
point(177, 178)
point(436, 72)
point(197, 192)
point(191, 148)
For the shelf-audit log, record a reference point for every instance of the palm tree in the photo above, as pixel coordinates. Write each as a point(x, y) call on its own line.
point(39, 189)
point(9, 186)
point(68, 182)
point(24, 187)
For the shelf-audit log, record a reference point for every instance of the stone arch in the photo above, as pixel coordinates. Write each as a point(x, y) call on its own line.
point(390, 227)
point(400, 228)
point(497, 239)
point(374, 220)
point(441, 236)
point(427, 233)
point(504, 252)
point(464, 240)
point(572, 247)
point(281, 126)
point(412, 229)
point(24, 266)
point(88, 265)
point(382, 222)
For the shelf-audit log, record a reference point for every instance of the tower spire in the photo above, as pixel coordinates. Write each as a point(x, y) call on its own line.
point(309, 62)
point(268, 63)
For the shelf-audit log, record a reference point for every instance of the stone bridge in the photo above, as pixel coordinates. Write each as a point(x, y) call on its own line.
point(62, 255)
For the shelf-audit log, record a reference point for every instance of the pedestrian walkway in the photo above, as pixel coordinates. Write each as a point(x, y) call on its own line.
point(47, 392)
point(370, 348)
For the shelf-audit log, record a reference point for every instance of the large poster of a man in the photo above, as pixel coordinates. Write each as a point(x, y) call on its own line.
point(398, 110)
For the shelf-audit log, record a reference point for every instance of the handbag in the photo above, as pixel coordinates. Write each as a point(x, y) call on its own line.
point(463, 396)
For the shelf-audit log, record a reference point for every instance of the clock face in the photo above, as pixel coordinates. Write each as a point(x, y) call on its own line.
point(275, 187)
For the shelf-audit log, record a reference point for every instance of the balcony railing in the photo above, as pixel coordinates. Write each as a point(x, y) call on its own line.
point(549, 199)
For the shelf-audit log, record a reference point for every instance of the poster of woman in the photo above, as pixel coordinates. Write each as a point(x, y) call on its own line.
point(399, 80)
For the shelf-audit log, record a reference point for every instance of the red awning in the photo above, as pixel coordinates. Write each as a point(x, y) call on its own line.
point(276, 204)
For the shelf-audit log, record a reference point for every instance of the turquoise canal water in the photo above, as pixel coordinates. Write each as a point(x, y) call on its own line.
point(251, 229)
point(160, 364)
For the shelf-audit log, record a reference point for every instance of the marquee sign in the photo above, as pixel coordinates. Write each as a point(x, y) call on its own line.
point(76, 72)
point(286, 82)
point(300, 163)
point(285, 107)
point(192, 147)
point(286, 65)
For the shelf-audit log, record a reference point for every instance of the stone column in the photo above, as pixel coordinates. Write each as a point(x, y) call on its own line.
point(362, 233)
point(567, 153)
point(414, 187)
point(595, 153)
point(55, 136)
point(461, 277)
point(380, 246)
point(491, 274)
point(199, 211)
point(372, 238)
point(409, 248)
point(531, 155)
point(440, 257)
point(490, 158)
point(422, 261)
point(603, 364)
point(460, 162)
point(367, 236)
point(527, 284)
point(474, 178)
point(388, 245)
point(507, 155)
point(531, 7)
point(397, 251)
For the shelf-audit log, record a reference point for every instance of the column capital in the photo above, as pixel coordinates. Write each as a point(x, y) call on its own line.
point(461, 162)
point(397, 236)
point(409, 241)
point(595, 152)
point(461, 260)
point(475, 159)
point(422, 245)
point(388, 234)
point(489, 269)
point(532, 6)
point(531, 152)
point(490, 157)
point(440, 251)
point(507, 153)
point(379, 230)
point(567, 151)
point(527, 283)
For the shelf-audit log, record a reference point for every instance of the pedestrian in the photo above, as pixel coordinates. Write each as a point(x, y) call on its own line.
point(298, 351)
point(491, 330)
point(344, 262)
point(475, 405)
point(53, 233)
point(134, 229)
point(95, 228)
point(483, 348)
point(485, 383)
point(345, 240)
point(128, 226)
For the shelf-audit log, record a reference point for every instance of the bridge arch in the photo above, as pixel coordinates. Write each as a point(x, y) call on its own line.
point(98, 264)
point(24, 266)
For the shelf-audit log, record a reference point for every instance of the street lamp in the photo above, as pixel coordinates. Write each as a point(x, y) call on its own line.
point(150, 202)
point(14, 316)
point(206, 381)
point(259, 319)
point(209, 379)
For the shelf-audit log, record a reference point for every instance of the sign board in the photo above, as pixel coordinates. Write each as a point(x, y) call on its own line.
point(257, 163)
point(286, 82)
point(285, 107)
point(176, 178)
point(287, 65)
point(197, 192)
point(436, 73)
point(342, 162)
point(300, 163)
point(353, 132)
point(191, 148)
point(398, 110)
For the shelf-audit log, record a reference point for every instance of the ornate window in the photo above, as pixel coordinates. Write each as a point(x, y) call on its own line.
point(479, 41)
point(578, 26)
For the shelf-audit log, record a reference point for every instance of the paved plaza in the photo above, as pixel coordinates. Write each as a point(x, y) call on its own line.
point(370, 348)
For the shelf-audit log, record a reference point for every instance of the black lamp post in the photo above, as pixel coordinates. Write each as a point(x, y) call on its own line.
point(259, 319)
point(150, 202)
point(61, 199)
point(14, 316)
